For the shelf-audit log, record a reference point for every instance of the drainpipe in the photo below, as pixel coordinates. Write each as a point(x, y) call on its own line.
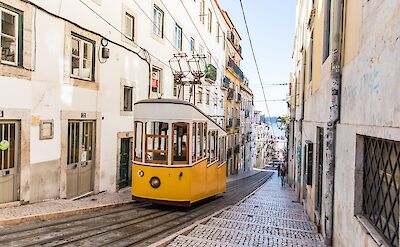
point(301, 120)
point(334, 116)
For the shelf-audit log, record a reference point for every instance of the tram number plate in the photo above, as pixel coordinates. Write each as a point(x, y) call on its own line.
point(83, 115)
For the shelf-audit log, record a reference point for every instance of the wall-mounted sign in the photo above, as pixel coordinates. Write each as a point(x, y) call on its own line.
point(83, 115)
point(4, 145)
point(1, 113)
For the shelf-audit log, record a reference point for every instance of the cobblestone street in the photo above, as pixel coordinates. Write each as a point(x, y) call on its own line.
point(269, 217)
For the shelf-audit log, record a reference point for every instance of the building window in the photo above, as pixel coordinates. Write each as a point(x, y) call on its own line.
point(180, 143)
point(156, 142)
point(158, 21)
point(129, 30)
point(201, 50)
point(10, 38)
point(223, 40)
point(128, 95)
point(82, 55)
point(202, 11)
point(178, 37)
point(381, 186)
point(192, 44)
point(208, 97)
point(200, 95)
point(218, 27)
point(209, 20)
point(155, 80)
point(327, 30)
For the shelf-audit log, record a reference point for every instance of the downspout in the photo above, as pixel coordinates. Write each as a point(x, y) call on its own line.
point(300, 187)
point(334, 117)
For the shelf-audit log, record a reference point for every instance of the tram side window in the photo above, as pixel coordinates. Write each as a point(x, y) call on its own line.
point(205, 140)
point(212, 146)
point(199, 140)
point(180, 145)
point(222, 149)
point(194, 143)
point(138, 141)
point(157, 142)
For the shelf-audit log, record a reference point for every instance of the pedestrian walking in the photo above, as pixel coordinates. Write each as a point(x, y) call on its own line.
point(283, 171)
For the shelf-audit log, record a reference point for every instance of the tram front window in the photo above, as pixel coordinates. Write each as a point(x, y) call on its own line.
point(180, 143)
point(157, 142)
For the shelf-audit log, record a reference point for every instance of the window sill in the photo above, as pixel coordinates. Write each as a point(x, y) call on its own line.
point(126, 113)
point(84, 83)
point(14, 71)
point(157, 38)
point(370, 230)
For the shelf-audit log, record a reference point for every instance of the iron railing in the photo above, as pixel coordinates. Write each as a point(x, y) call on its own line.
point(382, 186)
point(236, 69)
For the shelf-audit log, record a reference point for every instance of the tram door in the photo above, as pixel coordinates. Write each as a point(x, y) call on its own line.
point(125, 168)
point(80, 162)
point(9, 158)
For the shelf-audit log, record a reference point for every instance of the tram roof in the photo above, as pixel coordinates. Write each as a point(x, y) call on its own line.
point(177, 102)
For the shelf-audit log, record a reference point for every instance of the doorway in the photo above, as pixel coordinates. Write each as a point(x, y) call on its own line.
point(125, 164)
point(80, 160)
point(320, 166)
point(9, 160)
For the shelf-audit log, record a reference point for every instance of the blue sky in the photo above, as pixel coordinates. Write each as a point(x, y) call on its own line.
point(271, 24)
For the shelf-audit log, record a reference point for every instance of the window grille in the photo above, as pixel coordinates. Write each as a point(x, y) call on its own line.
point(382, 186)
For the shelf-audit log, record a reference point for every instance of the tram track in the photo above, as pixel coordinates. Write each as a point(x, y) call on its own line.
point(135, 224)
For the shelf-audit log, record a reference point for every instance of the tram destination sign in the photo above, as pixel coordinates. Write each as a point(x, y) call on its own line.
point(1, 113)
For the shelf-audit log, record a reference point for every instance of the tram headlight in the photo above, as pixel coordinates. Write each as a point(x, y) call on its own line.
point(140, 173)
point(155, 182)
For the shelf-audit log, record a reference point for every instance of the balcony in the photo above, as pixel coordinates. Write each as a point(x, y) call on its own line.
point(226, 82)
point(230, 94)
point(233, 66)
point(229, 123)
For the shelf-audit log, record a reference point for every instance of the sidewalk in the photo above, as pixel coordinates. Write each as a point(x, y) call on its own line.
point(266, 218)
point(62, 207)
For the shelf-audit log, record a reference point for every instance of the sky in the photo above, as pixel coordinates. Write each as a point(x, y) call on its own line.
point(271, 24)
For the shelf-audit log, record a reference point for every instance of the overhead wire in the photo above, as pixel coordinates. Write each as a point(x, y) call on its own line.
point(255, 61)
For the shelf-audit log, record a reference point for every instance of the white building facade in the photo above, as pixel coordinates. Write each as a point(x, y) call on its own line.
point(70, 73)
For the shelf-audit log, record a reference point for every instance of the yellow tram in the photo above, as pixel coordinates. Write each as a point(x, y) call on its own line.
point(179, 153)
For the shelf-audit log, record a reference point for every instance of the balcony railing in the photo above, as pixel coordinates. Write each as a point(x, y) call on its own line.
point(235, 68)
point(226, 82)
point(230, 94)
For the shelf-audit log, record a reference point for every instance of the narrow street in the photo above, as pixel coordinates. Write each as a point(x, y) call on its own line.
point(269, 217)
point(138, 224)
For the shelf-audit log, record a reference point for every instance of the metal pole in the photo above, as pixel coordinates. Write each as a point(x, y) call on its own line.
point(333, 119)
